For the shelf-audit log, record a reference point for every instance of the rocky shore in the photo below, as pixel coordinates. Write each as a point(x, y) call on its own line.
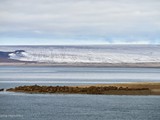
point(105, 90)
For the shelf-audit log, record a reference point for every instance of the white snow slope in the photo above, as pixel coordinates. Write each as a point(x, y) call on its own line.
point(86, 54)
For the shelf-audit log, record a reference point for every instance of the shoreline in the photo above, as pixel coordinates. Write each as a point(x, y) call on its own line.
point(129, 65)
point(145, 88)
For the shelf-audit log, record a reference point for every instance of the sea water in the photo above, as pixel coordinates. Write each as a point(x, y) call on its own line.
point(21, 106)
point(11, 76)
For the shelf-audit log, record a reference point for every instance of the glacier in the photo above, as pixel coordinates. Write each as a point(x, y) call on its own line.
point(85, 54)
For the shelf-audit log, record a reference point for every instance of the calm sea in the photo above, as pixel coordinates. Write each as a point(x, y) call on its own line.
point(15, 76)
point(20, 106)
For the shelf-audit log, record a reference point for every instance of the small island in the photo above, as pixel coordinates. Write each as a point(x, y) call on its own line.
point(105, 89)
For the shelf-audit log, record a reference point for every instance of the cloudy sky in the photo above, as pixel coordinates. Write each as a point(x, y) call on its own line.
point(79, 22)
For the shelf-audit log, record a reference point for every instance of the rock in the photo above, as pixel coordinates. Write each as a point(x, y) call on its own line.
point(2, 89)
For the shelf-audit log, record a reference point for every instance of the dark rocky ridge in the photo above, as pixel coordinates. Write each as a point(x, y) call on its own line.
point(5, 55)
point(5, 58)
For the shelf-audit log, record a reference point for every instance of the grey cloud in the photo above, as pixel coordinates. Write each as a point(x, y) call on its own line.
point(97, 18)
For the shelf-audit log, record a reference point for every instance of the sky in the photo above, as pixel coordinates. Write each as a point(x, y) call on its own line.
point(72, 22)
